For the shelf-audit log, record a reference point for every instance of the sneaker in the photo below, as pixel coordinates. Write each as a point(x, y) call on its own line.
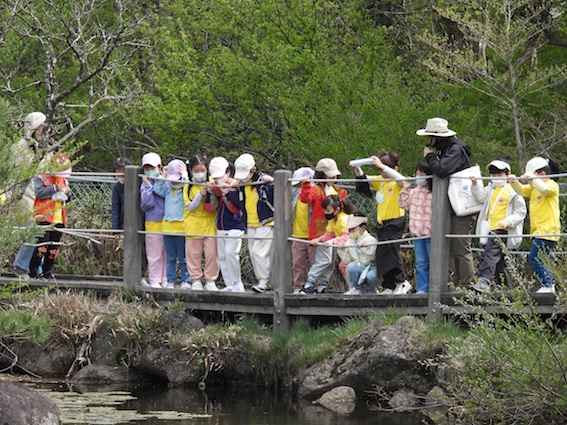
point(421, 293)
point(18, 271)
point(185, 285)
point(262, 287)
point(169, 286)
point(402, 288)
point(197, 285)
point(297, 291)
point(546, 290)
point(307, 290)
point(144, 282)
point(211, 286)
point(352, 291)
point(386, 291)
point(155, 285)
point(227, 288)
point(321, 289)
point(238, 287)
point(481, 285)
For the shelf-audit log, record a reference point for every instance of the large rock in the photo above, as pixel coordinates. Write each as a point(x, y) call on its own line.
point(51, 361)
point(20, 405)
point(381, 356)
point(239, 367)
point(181, 321)
point(107, 345)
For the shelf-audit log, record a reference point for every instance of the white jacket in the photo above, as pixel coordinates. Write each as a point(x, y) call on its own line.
point(364, 255)
point(515, 212)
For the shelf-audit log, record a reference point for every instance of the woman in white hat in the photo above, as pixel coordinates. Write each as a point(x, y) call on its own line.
point(544, 214)
point(445, 154)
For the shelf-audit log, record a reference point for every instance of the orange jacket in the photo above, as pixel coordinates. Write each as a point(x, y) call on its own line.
point(314, 195)
point(44, 206)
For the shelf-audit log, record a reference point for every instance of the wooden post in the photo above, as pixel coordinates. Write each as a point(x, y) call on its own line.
point(439, 255)
point(281, 265)
point(132, 267)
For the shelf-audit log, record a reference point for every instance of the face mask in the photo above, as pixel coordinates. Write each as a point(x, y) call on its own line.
point(355, 235)
point(247, 178)
point(498, 183)
point(151, 173)
point(329, 217)
point(421, 181)
point(221, 180)
point(177, 185)
point(120, 180)
point(199, 177)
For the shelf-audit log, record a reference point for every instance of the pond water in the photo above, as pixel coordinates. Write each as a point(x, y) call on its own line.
point(158, 405)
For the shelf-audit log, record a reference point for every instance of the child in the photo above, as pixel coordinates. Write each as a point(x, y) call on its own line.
point(544, 214)
point(358, 254)
point(174, 221)
point(258, 202)
point(230, 222)
point(504, 211)
point(118, 195)
point(300, 251)
point(51, 193)
point(314, 194)
point(419, 203)
point(152, 206)
point(391, 221)
point(336, 213)
point(199, 221)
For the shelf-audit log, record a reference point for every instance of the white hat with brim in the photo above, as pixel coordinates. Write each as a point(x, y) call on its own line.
point(355, 221)
point(436, 127)
point(173, 173)
point(302, 173)
point(536, 163)
point(242, 166)
point(218, 167)
point(501, 165)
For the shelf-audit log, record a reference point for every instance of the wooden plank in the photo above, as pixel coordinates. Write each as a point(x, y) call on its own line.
point(132, 261)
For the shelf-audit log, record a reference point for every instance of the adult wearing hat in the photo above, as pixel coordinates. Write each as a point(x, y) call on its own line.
point(25, 152)
point(445, 154)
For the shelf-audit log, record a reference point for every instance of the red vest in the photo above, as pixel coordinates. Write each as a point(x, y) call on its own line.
point(45, 208)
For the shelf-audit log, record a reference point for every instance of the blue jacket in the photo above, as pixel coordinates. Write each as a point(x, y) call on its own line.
point(230, 215)
point(174, 206)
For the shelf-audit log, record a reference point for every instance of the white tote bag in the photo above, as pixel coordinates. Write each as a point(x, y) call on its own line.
point(460, 191)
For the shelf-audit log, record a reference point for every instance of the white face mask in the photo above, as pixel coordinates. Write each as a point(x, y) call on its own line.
point(498, 183)
point(120, 180)
point(200, 177)
point(421, 181)
point(247, 178)
point(177, 185)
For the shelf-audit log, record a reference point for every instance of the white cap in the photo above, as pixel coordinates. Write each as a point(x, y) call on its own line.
point(328, 166)
point(301, 173)
point(152, 159)
point(535, 164)
point(355, 221)
point(501, 165)
point(243, 165)
point(218, 167)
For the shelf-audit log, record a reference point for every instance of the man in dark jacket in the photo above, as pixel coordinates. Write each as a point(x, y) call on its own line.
point(445, 154)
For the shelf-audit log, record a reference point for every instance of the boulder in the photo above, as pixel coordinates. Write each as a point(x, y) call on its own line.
point(177, 368)
point(404, 400)
point(20, 405)
point(181, 321)
point(107, 345)
point(239, 367)
point(51, 361)
point(341, 400)
point(381, 356)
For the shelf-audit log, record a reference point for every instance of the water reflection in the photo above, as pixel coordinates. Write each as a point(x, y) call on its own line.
point(237, 406)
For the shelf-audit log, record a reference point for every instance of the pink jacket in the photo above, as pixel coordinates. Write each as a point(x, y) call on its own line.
point(418, 201)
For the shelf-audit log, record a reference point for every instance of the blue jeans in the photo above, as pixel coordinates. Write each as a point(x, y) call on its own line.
point(23, 257)
point(541, 248)
point(354, 271)
point(421, 249)
point(175, 251)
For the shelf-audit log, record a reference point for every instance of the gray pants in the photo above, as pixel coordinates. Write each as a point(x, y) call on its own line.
point(320, 272)
point(461, 249)
point(493, 261)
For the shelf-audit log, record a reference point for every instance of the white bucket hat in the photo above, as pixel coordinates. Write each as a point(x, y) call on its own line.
point(302, 173)
point(32, 122)
point(436, 127)
point(536, 163)
point(243, 165)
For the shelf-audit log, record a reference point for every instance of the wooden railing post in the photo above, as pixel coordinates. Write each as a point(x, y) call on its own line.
point(281, 265)
point(132, 267)
point(439, 255)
